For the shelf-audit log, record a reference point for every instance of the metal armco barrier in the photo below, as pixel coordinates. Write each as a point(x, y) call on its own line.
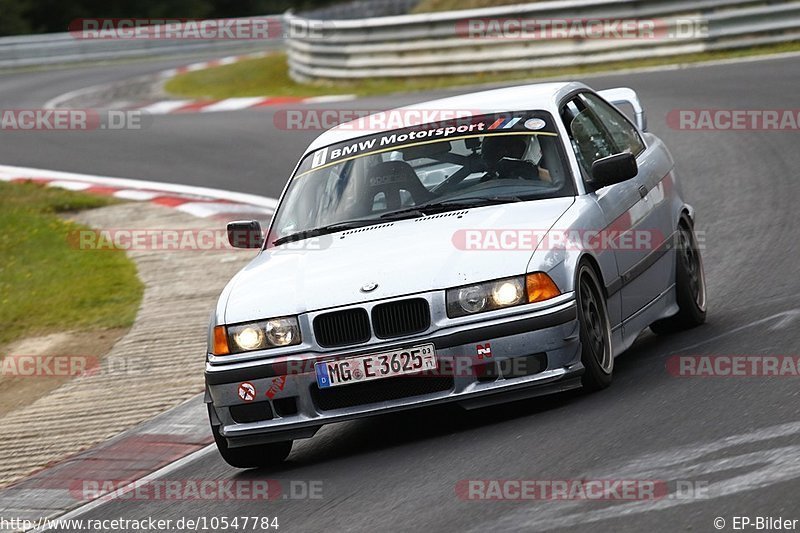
point(439, 43)
point(60, 48)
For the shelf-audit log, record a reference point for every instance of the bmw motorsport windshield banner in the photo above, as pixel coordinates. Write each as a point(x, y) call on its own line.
point(516, 123)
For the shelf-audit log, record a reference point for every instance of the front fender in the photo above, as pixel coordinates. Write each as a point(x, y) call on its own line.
point(559, 258)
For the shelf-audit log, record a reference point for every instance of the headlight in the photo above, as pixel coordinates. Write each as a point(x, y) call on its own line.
point(248, 337)
point(507, 292)
point(272, 333)
point(472, 299)
point(282, 331)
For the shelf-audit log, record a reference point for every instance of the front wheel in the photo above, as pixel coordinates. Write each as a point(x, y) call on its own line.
point(257, 456)
point(595, 331)
point(690, 285)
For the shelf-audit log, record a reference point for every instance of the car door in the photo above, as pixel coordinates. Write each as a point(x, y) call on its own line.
point(598, 130)
point(590, 142)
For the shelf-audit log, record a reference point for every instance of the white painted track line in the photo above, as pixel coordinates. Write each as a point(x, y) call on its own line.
point(232, 104)
point(102, 500)
point(166, 106)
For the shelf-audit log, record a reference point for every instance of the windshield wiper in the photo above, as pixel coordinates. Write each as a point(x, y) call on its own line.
point(449, 205)
point(346, 225)
point(323, 230)
point(409, 212)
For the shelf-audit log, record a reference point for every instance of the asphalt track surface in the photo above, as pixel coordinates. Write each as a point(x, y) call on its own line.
point(740, 436)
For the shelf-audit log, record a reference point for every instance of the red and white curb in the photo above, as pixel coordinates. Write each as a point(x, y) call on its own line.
point(178, 106)
point(164, 107)
point(203, 202)
point(228, 104)
point(154, 449)
point(202, 65)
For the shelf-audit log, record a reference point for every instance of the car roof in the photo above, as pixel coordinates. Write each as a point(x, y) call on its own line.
point(544, 96)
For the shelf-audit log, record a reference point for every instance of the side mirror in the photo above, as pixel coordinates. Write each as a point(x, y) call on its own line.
point(614, 169)
point(245, 234)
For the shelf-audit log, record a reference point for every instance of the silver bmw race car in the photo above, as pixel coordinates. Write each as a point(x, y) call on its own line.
point(511, 248)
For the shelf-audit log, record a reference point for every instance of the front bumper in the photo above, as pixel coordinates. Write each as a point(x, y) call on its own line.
point(530, 354)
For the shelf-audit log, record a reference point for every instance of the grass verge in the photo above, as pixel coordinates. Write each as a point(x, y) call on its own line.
point(269, 76)
point(429, 6)
point(45, 284)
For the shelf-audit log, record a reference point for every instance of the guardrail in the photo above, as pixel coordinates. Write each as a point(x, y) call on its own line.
point(435, 43)
point(57, 48)
point(360, 9)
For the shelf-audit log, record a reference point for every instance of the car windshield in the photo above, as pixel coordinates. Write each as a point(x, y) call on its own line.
point(475, 161)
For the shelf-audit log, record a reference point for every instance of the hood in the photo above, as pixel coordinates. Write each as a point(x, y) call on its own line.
point(401, 257)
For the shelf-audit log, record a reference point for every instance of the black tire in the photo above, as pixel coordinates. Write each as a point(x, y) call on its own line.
point(595, 330)
point(262, 455)
point(690, 284)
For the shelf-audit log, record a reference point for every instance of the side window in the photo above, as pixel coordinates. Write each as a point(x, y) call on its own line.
point(589, 139)
point(621, 130)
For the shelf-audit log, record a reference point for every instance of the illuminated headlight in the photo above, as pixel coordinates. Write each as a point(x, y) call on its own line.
point(272, 333)
point(497, 294)
point(510, 292)
point(248, 338)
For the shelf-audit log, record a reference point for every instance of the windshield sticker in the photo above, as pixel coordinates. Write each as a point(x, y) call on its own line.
point(504, 123)
point(437, 132)
point(394, 139)
point(319, 158)
point(534, 124)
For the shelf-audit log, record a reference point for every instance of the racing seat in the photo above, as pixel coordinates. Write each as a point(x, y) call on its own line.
point(392, 178)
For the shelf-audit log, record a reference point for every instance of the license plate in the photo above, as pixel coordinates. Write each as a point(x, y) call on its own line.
point(376, 366)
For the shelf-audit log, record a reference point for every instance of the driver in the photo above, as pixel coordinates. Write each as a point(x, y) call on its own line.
point(496, 147)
